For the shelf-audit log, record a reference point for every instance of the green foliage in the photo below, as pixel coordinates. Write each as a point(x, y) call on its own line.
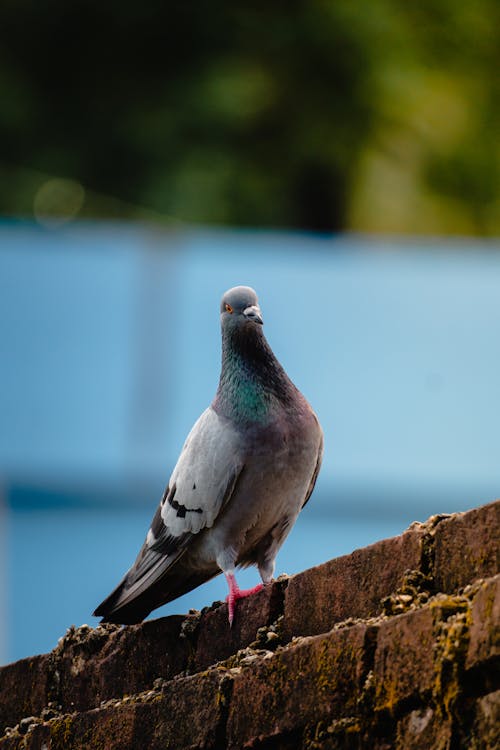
point(322, 114)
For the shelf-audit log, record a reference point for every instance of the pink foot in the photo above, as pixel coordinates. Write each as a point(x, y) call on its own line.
point(236, 593)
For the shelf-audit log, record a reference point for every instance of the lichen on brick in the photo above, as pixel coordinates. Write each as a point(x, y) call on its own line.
point(61, 730)
point(453, 621)
point(415, 590)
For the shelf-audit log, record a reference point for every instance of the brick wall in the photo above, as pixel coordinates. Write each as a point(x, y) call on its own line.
point(396, 645)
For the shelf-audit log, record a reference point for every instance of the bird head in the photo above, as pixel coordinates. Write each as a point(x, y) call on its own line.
point(239, 308)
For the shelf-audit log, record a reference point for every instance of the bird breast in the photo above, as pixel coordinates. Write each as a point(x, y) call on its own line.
point(272, 487)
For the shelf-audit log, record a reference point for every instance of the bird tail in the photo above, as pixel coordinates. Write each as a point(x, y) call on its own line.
point(143, 588)
point(132, 601)
point(111, 611)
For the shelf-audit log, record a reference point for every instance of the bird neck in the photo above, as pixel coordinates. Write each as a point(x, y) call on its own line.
point(252, 381)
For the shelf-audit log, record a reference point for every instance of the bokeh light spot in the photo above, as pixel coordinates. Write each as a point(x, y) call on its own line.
point(58, 201)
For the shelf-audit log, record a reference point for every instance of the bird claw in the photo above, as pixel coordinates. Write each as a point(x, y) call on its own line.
point(235, 593)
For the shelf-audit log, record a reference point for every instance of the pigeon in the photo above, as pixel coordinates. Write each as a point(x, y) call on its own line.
point(247, 468)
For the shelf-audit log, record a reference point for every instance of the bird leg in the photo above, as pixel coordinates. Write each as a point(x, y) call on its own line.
point(236, 593)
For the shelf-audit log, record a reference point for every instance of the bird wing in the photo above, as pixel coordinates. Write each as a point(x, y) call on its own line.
point(317, 467)
point(202, 482)
point(204, 476)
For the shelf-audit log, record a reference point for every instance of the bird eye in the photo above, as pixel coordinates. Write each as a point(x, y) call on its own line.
point(229, 309)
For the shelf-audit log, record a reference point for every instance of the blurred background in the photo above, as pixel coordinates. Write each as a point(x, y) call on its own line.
point(343, 159)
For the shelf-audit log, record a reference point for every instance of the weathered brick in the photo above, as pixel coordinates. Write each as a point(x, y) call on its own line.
point(24, 689)
point(403, 666)
point(421, 729)
point(345, 688)
point(466, 547)
point(187, 714)
point(99, 665)
point(315, 678)
point(349, 586)
point(37, 738)
point(485, 733)
point(484, 642)
point(92, 665)
point(217, 640)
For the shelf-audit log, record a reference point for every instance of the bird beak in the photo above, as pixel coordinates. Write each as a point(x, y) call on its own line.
point(253, 313)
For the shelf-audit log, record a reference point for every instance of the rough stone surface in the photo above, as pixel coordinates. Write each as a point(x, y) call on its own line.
point(38, 738)
point(486, 727)
point(349, 586)
point(90, 665)
point(404, 660)
point(394, 647)
point(422, 729)
point(99, 664)
point(466, 547)
point(34, 675)
point(320, 677)
point(484, 642)
point(187, 714)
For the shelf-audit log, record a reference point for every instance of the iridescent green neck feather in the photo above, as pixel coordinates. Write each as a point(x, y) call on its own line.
point(252, 383)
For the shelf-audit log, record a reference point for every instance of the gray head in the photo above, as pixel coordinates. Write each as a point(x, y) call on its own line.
point(239, 308)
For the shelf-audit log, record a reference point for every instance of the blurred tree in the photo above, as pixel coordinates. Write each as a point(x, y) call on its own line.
point(316, 114)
